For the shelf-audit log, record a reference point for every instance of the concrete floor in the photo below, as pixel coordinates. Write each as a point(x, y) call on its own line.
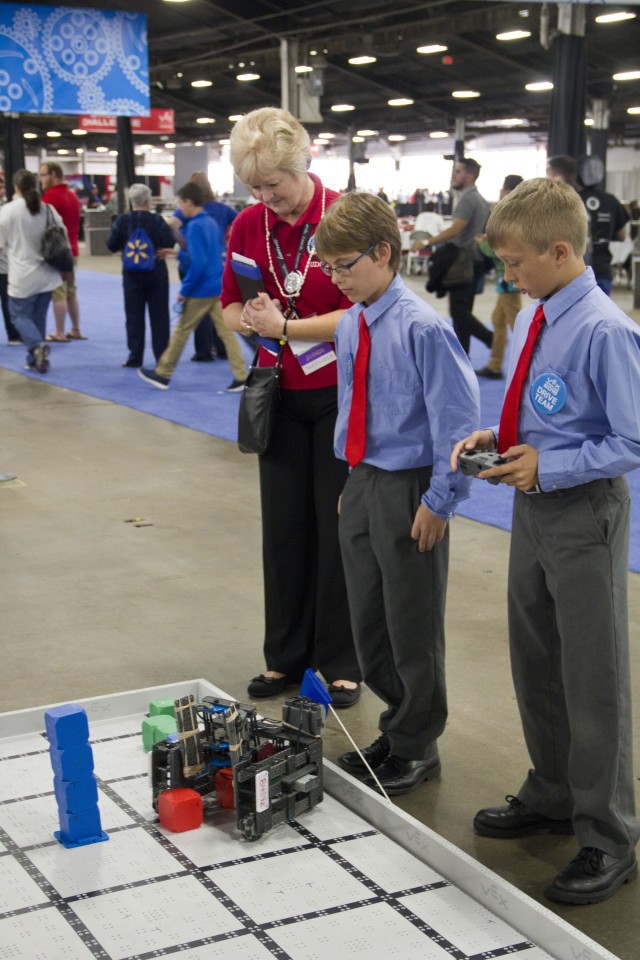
point(94, 604)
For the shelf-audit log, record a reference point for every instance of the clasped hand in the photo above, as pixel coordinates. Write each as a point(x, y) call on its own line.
point(263, 316)
point(520, 471)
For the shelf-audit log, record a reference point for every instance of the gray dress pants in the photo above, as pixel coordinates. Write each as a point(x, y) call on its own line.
point(568, 629)
point(396, 600)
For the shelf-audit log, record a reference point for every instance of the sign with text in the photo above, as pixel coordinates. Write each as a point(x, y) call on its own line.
point(158, 121)
point(72, 60)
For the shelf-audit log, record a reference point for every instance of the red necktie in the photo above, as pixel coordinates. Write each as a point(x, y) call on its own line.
point(357, 426)
point(508, 433)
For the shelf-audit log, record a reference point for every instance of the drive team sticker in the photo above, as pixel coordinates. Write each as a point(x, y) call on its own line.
point(548, 393)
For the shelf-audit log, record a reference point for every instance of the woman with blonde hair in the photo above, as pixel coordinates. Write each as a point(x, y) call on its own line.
point(306, 612)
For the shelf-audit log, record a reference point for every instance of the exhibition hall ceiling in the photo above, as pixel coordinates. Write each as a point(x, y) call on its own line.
point(217, 41)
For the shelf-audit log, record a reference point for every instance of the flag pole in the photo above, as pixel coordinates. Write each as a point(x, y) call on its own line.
point(357, 749)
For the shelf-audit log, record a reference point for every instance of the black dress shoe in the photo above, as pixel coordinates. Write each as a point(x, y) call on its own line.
point(489, 373)
point(592, 877)
point(270, 686)
point(517, 820)
point(131, 363)
point(398, 775)
point(203, 358)
point(342, 697)
point(376, 754)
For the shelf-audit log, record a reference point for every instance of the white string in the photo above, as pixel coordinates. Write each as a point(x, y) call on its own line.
point(386, 796)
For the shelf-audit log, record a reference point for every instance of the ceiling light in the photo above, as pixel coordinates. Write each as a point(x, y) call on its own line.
point(465, 94)
point(62, 150)
point(202, 83)
point(79, 133)
point(357, 139)
point(400, 102)
point(432, 48)
point(205, 120)
point(53, 133)
point(630, 75)
point(358, 61)
point(513, 35)
point(169, 146)
point(615, 17)
point(176, 1)
point(342, 107)
point(396, 137)
point(321, 142)
point(633, 110)
point(512, 122)
point(224, 143)
point(438, 134)
point(588, 121)
point(146, 146)
point(303, 69)
point(327, 136)
point(102, 149)
point(79, 149)
point(541, 85)
point(154, 150)
point(235, 117)
point(367, 133)
point(199, 143)
point(30, 136)
point(244, 77)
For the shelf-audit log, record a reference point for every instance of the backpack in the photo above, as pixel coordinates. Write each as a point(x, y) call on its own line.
point(54, 245)
point(139, 253)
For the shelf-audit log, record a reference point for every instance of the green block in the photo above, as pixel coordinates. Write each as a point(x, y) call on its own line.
point(155, 729)
point(163, 706)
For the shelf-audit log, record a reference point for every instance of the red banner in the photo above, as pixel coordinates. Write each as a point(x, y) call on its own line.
point(160, 121)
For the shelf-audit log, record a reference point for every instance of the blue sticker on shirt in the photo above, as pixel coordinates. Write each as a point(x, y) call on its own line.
point(348, 372)
point(548, 393)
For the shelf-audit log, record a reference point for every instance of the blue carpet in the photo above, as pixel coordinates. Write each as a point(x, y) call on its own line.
point(197, 396)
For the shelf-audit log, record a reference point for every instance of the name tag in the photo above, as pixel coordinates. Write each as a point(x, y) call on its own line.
point(548, 393)
point(312, 356)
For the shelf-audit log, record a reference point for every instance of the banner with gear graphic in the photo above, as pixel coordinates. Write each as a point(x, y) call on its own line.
point(71, 60)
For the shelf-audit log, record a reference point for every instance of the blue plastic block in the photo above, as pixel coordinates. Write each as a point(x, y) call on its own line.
point(72, 764)
point(75, 796)
point(75, 826)
point(66, 725)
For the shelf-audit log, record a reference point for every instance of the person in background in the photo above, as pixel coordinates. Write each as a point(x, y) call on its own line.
point(199, 292)
point(144, 290)
point(508, 304)
point(13, 337)
point(567, 435)
point(31, 280)
point(400, 409)
point(57, 194)
point(469, 218)
point(306, 611)
point(207, 339)
point(607, 216)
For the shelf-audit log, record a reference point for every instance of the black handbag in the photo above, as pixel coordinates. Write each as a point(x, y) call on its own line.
point(54, 246)
point(460, 272)
point(259, 406)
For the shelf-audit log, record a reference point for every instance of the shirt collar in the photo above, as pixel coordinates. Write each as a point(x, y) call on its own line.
point(392, 293)
point(564, 299)
point(313, 213)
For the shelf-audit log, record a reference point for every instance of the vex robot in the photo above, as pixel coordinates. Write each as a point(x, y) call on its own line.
point(270, 771)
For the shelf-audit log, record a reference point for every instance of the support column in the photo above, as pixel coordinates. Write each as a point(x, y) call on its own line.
point(568, 99)
point(599, 134)
point(458, 146)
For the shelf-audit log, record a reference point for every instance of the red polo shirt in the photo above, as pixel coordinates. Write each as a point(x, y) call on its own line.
point(318, 296)
point(67, 204)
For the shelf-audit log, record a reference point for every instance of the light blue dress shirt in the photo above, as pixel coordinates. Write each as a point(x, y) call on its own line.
point(422, 393)
point(593, 348)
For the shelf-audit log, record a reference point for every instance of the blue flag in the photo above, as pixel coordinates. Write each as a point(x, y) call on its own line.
point(314, 689)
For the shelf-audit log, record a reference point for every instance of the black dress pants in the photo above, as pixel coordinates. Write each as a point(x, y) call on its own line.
point(12, 333)
point(146, 290)
point(306, 611)
point(464, 323)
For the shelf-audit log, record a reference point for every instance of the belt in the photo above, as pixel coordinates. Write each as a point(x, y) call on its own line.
point(536, 489)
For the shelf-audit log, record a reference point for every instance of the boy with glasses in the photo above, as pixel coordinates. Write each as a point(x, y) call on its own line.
point(405, 390)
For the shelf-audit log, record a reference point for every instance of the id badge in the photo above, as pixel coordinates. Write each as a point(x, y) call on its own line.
point(312, 356)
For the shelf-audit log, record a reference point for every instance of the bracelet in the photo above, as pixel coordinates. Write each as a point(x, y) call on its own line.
point(284, 337)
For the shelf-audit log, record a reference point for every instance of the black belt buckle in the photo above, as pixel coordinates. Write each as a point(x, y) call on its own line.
point(534, 489)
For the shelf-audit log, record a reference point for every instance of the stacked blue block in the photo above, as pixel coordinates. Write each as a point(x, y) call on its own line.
point(74, 783)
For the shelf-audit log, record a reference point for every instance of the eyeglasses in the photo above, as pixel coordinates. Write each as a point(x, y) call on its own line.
point(345, 269)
